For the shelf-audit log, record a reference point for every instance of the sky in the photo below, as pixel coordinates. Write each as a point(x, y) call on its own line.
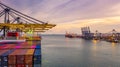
point(71, 15)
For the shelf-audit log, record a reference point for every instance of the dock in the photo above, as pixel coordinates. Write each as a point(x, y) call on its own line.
point(112, 36)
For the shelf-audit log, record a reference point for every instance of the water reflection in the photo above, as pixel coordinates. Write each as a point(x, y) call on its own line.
point(94, 47)
point(113, 45)
point(79, 52)
point(95, 41)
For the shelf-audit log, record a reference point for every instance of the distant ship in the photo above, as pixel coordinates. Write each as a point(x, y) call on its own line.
point(72, 35)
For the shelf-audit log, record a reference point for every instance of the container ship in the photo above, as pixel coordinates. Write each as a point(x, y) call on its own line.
point(20, 46)
point(17, 52)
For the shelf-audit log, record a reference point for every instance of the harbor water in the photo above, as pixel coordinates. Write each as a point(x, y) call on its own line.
point(58, 51)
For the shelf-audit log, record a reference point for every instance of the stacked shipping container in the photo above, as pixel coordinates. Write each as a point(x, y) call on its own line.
point(20, 55)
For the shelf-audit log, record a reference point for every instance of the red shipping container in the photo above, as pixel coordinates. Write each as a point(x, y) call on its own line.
point(10, 46)
point(13, 34)
point(20, 59)
point(20, 65)
point(28, 65)
point(1, 47)
point(21, 56)
point(17, 57)
point(7, 46)
point(3, 51)
point(12, 59)
point(11, 65)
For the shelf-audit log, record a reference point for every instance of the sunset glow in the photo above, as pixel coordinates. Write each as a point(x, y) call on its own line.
point(71, 15)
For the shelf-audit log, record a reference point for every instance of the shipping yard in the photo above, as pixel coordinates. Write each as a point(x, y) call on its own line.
point(112, 36)
point(20, 42)
point(32, 33)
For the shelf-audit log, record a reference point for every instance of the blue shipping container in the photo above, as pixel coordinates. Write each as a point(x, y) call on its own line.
point(38, 46)
point(37, 56)
point(37, 65)
point(0, 60)
point(3, 66)
point(4, 57)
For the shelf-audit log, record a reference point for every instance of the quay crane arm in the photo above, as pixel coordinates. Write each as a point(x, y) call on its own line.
point(17, 12)
point(24, 22)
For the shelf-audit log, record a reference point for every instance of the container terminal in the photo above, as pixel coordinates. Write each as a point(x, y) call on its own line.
point(20, 42)
point(112, 36)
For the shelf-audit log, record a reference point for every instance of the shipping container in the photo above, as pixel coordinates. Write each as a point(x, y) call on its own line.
point(17, 56)
point(10, 46)
point(20, 65)
point(4, 65)
point(33, 47)
point(4, 57)
point(2, 46)
point(21, 56)
point(7, 46)
point(12, 59)
point(29, 56)
point(12, 34)
point(28, 65)
point(38, 46)
point(37, 65)
point(1, 53)
point(28, 43)
point(11, 65)
point(26, 47)
point(20, 59)
point(17, 47)
point(37, 56)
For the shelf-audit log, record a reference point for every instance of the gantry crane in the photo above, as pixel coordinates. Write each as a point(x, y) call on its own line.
point(15, 20)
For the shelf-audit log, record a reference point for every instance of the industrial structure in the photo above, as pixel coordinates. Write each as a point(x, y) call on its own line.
point(19, 46)
point(86, 33)
point(18, 22)
point(112, 36)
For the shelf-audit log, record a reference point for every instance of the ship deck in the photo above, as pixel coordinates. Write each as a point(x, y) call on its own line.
point(20, 54)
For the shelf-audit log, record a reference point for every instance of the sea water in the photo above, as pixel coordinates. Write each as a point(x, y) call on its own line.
point(58, 51)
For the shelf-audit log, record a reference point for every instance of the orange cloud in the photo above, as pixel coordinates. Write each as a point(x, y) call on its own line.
point(103, 24)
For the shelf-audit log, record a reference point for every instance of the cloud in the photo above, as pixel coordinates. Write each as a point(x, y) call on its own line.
point(104, 25)
point(71, 15)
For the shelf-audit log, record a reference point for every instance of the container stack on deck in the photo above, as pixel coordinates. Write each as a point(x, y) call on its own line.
point(20, 55)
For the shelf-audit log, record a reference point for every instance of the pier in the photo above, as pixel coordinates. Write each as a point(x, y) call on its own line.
point(112, 36)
